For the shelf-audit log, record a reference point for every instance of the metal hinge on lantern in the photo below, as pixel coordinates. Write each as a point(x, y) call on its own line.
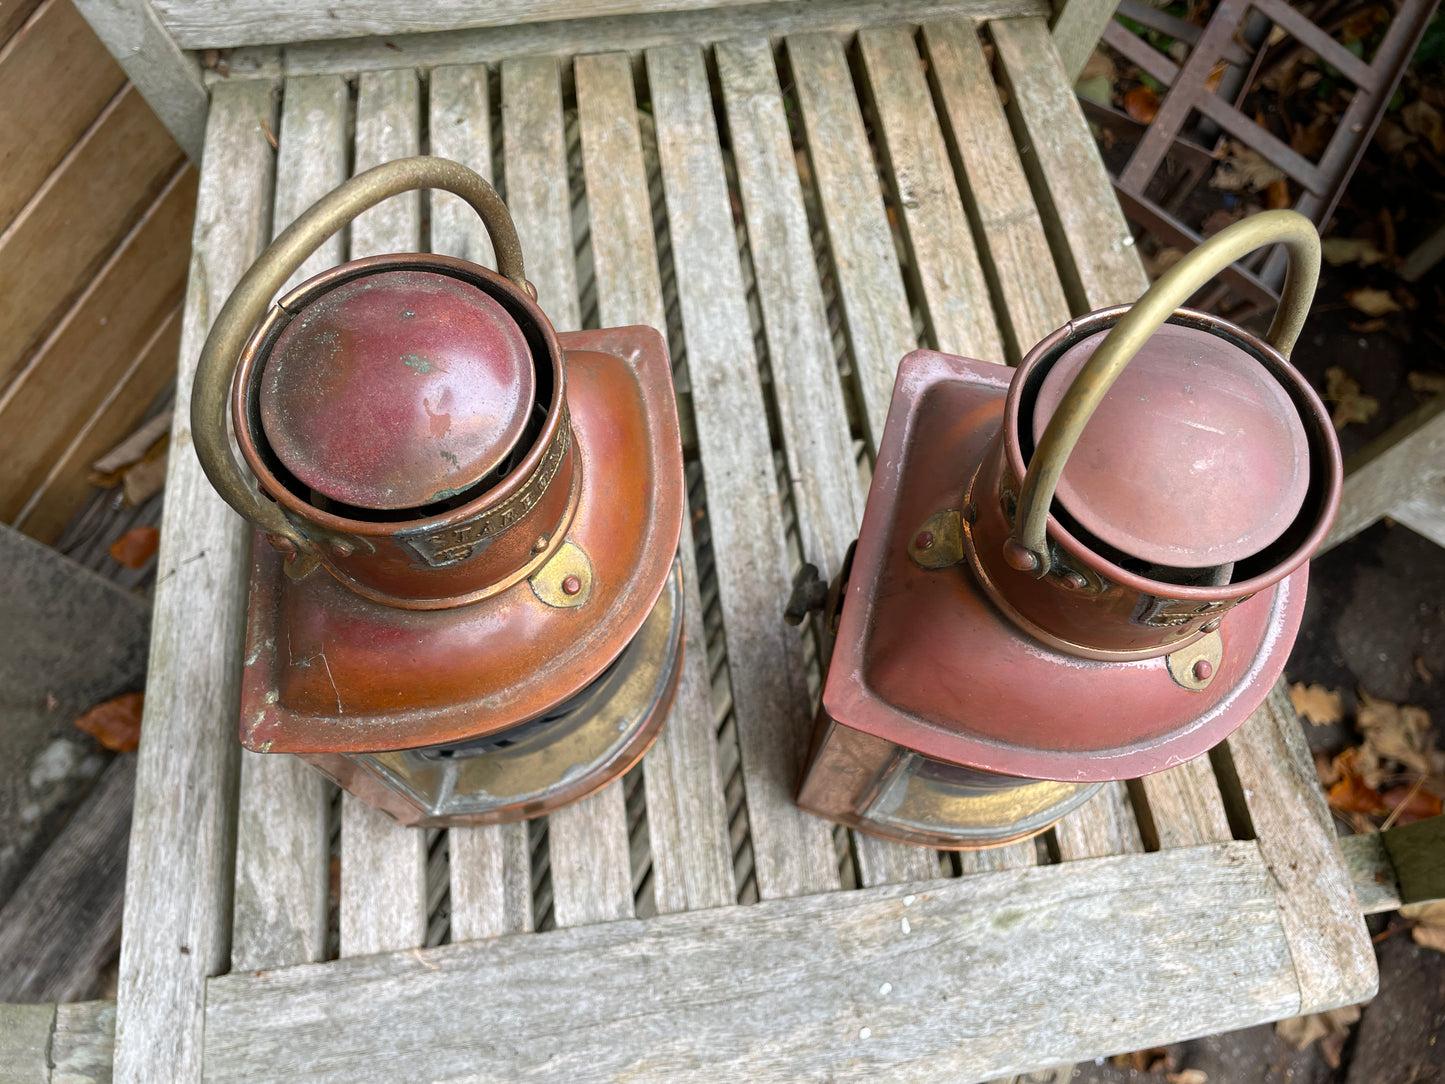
point(470, 609)
point(1088, 569)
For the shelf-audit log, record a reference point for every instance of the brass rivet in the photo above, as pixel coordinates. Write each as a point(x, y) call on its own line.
point(1203, 670)
point(1075, 580)
point(571, 585)
point(923, 540)
point(539, 545)
point(1209, 626)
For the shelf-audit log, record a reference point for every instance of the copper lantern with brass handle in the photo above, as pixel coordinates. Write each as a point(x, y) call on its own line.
point(1089, 568)
point(465, 605)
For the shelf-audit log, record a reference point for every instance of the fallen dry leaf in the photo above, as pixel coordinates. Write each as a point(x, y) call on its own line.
point(1399, 732)
point(1369, 327)
point(1187, 1076)
point(1319, 705)
point(116, 723)
point(1330, 1029)
point(1244, 170)
point(1421, 118)
point(1277, 195)
point(1426, 384)
point(1392, 138)
point(1372, 301)
point(1218, 219)
point(1339, 251)
point(1325, 770)
point(1156, 1057)
point(1353, 795)
point(1344, 391)
point(1099, 65)
point(1417, 802)
point(137, 546)
point(1429, 920)
point(1142, 104)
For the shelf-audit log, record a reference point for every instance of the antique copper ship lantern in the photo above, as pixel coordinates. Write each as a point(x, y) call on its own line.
point(1092, 571)
point(469, 610)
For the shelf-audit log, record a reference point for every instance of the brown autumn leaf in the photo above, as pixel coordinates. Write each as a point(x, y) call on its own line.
point(1319, 705)
point(1339, 251)
point(1218, 219)
point(116, 723)
point(1423, 119)
point(1369, 327)
point(1187, 1076)
point(1350, 405)
point(1353, 795)
point(1242, 169)
point(1417, 802)
point(137, 546)
point(1142, 104)
point(1399, 732)
point(1277, 195)
point(1429, 920)
point(1330, 1029)
point(1099, 65)
point(1372, 301)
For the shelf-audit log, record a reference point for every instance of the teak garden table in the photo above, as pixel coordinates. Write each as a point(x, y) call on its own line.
point(799, 194)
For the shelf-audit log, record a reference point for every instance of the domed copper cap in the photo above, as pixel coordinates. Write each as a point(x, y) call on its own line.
point(1196, 457)
point(397, 390)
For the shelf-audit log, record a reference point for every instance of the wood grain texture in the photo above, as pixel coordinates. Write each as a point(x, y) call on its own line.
point(167, 77)
point(67, 486)
point(686, 815)
point(827, 495)
point(95, 343)
point(591, 867)
point(865, 261)
point(949, 279)
point(1104, 825)
point(491, 881)
point(793, 852)
point(282, 834)
point(836, 986)
point(1392, 470)
point(1333, 956)
point(113, 173)
point(13, 16)
point(1020, 855)
point(1371, 872)
point(383, 866)
point(1077, 27)
point(633, 33)
point(83, 1043)
point(182, 847)
point(1181, 806)
point(1424, 513)
point(491, 867)
point(60, 927)
point(55, 78)
point(1014, 251)
point(1091, 242)
point(25, 1043)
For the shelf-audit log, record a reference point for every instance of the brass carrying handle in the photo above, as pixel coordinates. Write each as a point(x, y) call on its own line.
point(251, 299)
point(1027, 548)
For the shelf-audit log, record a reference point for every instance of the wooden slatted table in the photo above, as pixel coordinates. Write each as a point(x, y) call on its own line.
point(798, 203)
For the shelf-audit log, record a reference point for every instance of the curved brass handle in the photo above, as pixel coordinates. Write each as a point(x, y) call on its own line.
point(251, 299)
point(1027, 549)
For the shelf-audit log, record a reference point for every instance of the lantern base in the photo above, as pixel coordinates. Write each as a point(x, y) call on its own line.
point(571, 751)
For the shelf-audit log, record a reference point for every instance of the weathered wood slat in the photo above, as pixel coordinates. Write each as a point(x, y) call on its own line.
point(827, 494)
point(25, 1043)
point(792, 852)
point(55, 78)
point(60, 927)
point(1090, 239)
point(83, 1044)
point(1018, 855)
point(591, 865)
point(66, 487)
point(1333, 956)
point(633, 33)
point(944, 265)
point(181, 859)
point(870, 283)
point(686, 816)
point(13, 17)
point(383, 866)
point(1181, 806)
point(121, 163)
point(1104, 825)
point(1371, 872)
point(94, 343)
point(1424, 513)
point(1015, 252)
point(491, 867)
point(1391, 471)
point(282, 837)
point(1076, 29)
point(881, 969)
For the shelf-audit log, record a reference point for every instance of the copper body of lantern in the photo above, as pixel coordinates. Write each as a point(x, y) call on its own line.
point(1089, 568)
point(470, 609)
